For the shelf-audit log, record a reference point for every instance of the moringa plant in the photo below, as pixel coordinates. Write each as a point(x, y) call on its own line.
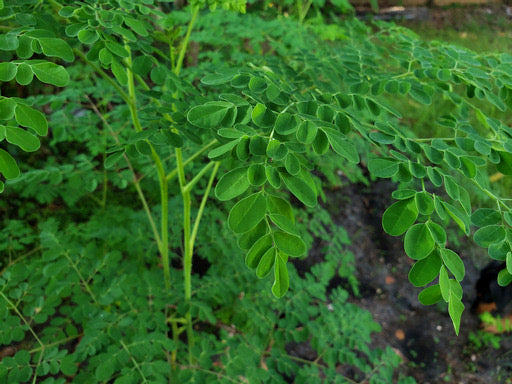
point(251, 131)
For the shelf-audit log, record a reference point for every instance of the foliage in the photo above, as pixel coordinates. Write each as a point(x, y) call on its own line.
point(136, 123)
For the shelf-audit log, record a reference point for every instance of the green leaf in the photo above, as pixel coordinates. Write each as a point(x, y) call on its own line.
point(419, 94)
point(142, 65)
point(257, 251)
point(113, 158)
point(418, 242)
point(498, 251)
point(399, 217)
point(117, 49)
point(119, 71)
point(257, 175)
point(289, 244)
point(232, 184)
point(143, 147)
point(218, 152)
point(7, 107)
point(31, 118)
point(24, 74)
point(383, 167)
point(88, 36)
point(424, 203)
point(504, 278)
point(229, 133)
point(321, 143)
point(56, 48)
point(342, 122)
point(284, 223)
point(454, 263)
point(455, 309)
point(247, 240)
point(438, 233)
point(258, 145)
point(7, 71)
point(262, 116)
point(8, 166)
point(425, 270)
point(276, 150)
point(23, 139)
point(217, 78)
point(8, 42)
point(273, 176)
point(105, 370)
point(257, 84)
point(209, 115)
point(460, 217)
point(286, 124)
point(266, 263)
point(341, 145)
point(137, 26)
point(68, 365)
point(281, 279)
point(488, 235)
point(247, 213)
point(306, 132)
point(505, 164)
point(51, 73)
point(451, 187)
point(508, 260)
point(242, 149)
point(468, 167)
point(403, 194)
point(292, 164)
point(300, 189)
point(22, 357)
point(435, 176)
point(430, 295)
point(444, 283)
point(279, 206)
point(483, 217)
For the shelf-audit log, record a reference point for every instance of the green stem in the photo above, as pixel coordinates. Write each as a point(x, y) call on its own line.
point(136, 182)
point(203, 203)
point(188, 251)
point(62, 341)
point(197, 177)
point(136, 365)
point(102, 73)
point(164, 196)
point(184, 44)
point(171, 175)
point(20, 315)
point(84, 282)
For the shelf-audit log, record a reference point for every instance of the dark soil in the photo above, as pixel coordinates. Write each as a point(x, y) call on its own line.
point(423, 336)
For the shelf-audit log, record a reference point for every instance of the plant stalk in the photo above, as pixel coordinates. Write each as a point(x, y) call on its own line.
point(184, 44)
point(164, 196)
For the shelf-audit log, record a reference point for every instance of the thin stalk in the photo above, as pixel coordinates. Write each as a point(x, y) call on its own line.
point(197, 177)
point(62, 341)
point(184, 44)
point(84, 282)
point(136, 182)
point(20, 315)
point(136, 365)
point(102, 73)
point(202, 205)
point(171, 175)
point(164, 196)
point(188, 252)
